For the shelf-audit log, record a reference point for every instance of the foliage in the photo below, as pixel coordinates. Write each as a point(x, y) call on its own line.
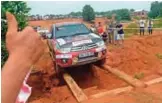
point(136, 17)
point(157, 23)
point(129, 32)
point(132, 10)
point(159, 56)
point(76, 13)
point(139, 75)
point(121, 14)
point(20, 10)
point(155, 10)
point(88, 13)
point(160, 14)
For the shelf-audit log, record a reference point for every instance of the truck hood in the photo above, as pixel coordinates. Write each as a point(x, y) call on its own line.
point(78, 40)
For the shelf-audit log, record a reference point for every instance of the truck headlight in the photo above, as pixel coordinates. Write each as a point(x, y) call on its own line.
point(100, 43)
point(65, 50)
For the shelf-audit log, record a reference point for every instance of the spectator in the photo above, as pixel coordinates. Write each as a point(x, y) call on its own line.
point(92, 28)
point(150, 25)
point(142, 26)
point(115, 32)
point(109, 32)
point(120, 34)
point(100, 29)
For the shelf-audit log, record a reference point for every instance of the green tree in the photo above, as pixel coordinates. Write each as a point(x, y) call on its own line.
point(155, 9)
point(132, 10)
point(88, 13)
point(121, 14)
point(76, 13)
point(160, 14)
point(20, 10)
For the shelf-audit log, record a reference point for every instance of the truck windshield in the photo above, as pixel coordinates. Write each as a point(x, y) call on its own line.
point(71, 30)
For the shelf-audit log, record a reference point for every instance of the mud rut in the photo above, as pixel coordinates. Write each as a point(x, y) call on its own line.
point(84, 77)
point(81, 78)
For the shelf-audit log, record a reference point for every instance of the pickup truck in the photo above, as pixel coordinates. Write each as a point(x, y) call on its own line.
point(73, 44)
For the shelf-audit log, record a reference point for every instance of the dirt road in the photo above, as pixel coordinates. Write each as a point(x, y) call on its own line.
point(140, 57)
point(48, 23)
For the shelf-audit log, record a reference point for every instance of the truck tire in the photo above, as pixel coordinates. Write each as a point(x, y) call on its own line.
point(101, 62)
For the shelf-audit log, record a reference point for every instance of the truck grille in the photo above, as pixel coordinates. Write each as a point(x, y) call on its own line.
point(84, 47)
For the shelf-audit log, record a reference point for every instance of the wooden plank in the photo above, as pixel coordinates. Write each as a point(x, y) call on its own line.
point(157, 80)
point(127, 78)
point(124, 89)
point(112, 92)
point(76, 90)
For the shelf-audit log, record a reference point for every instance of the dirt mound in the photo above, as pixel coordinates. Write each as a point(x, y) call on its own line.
point(138, 55)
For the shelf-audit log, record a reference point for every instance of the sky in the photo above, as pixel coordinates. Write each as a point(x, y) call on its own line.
point(65, 7)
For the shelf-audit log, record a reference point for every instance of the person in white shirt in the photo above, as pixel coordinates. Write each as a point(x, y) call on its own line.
point(92, 28)
point(142, 26)
point(150, 25)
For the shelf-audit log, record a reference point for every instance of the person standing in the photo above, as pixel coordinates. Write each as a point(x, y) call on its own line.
point(150, 26)
point(112, 31)
point(92, 28)
point(100, 29)
point(120, 34)
point(142, 26)
point(115, 32)
point(109, 32)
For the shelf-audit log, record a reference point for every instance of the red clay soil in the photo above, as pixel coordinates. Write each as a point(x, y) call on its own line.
point(151, 94)
point(48, 23)
point(138, 55)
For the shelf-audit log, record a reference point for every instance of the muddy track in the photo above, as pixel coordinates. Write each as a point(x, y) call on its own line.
point(138, 56)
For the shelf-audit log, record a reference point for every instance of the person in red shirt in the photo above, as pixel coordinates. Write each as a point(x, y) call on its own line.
point(100, 29)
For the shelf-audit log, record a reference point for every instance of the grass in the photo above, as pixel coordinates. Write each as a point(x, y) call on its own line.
point(157, 23)
point(130, 32)
point(159, 56)
point(136, 17)
point(139, 75)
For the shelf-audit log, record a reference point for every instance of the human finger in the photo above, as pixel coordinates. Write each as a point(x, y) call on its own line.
point(12, 23)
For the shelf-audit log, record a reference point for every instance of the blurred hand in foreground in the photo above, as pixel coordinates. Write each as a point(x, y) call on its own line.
point(27, 44)
point(25, 48)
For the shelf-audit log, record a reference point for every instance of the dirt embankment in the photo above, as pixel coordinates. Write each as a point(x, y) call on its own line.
point(137, 56)
point(48, 23)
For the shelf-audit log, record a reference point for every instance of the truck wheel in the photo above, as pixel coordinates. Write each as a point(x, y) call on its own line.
point(57, 69)
point(57, 74)
point(101, 62)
